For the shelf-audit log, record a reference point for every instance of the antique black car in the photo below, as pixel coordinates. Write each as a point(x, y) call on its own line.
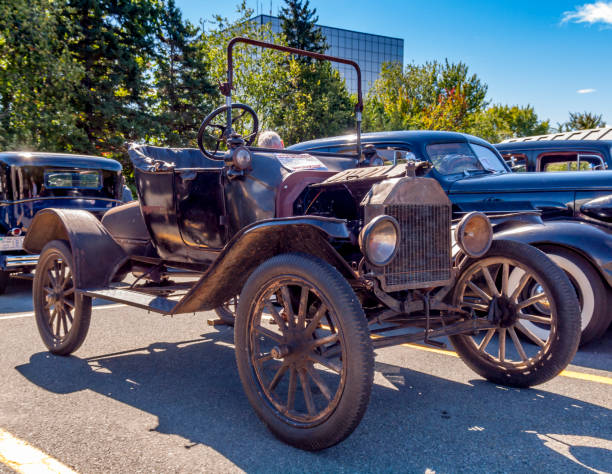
point(331, 255)
point(30, 182)
point(582, 150)
point(560, 211)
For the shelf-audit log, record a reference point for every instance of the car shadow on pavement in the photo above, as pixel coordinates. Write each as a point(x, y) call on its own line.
point(415, 421)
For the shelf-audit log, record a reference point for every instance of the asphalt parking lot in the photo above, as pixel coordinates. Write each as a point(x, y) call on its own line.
point(147, 393)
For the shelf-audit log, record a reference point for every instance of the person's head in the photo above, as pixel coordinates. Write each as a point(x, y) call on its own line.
point(270, 139)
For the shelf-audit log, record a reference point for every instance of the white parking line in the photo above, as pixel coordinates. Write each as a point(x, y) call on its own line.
point(21, 457)
point(31, 314)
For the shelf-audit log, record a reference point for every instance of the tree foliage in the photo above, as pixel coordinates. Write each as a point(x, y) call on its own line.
point(502, 121)
point(298, 22)
point(38, 76)
point(581, 121)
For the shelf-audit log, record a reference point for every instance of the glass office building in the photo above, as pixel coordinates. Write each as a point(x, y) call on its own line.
point(367, 50)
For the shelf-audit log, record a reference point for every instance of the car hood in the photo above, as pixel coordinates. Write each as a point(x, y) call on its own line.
point(528, 182)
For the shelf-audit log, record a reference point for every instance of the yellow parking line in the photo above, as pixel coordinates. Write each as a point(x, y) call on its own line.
point(566, 373)
point(21, 457)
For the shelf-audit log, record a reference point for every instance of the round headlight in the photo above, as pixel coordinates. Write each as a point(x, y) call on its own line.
point(379, 240)
point(241, 158)
point(474, 234)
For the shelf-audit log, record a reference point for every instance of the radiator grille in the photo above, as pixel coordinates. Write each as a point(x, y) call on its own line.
point(423, 257)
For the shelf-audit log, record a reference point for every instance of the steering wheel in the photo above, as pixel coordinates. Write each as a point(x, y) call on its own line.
point(214, 129)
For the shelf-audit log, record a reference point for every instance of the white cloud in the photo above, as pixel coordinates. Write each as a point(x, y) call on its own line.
point(598, 12)
point(586, 91)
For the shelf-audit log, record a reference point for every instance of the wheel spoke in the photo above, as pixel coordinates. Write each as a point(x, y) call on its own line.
point(52, 317)
point(505, 275)
point(485, 341)
point(67, 280)
point(58, 322)
point(269, 334)
point(291, 390)
point(69, 303)
point(310, 405)
point(263, 358)
point(530, 335)
point(325, 362)
point(316, 319)
point(521, 284)
point(280, 322)
point(517, 344)
point(288, 306)
point(490, 283)
point(62, 274)
point(474, 287)
point(301, 318)
point(68, 315)
point(277, 377)
point(319, 382)
point(64, 322)
point(536, 319)
point(502, 344)
point(69, 291)
point(325, 340)
point(51, 278)
point(480, 307)
point(534, 299)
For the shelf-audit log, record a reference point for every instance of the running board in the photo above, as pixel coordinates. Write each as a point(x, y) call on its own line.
point(158, 304)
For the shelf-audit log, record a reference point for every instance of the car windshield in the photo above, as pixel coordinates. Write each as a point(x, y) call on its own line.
point(455, 158)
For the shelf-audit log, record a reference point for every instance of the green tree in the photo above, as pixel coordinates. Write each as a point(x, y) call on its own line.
point(184, 94)
point(582, 121)
point(298, 100)
point(502, 121)
point(419, 95)
point(298, 23)
point(38, 76)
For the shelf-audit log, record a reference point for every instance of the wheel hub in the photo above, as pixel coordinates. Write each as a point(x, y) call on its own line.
point(502, 312)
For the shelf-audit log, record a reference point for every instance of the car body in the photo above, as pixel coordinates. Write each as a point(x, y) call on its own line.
point(370, 261)
point(573, 219)
point(31, 181)
point(582, 150)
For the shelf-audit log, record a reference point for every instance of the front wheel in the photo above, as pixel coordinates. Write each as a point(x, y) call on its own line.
point(510, 353)
point(62, 315)
point(303, 351)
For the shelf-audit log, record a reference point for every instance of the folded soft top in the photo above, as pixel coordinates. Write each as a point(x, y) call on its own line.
point(155, 158)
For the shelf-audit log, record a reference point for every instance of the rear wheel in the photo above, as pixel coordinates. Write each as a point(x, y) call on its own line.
point(62, 316)
point(499, 354)
point(303, 351)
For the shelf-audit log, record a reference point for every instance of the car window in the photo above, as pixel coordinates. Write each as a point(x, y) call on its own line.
point(77, 179)
point(516, 161)
point(570, 162)
point(488, 158)
point(392, 155)
point(453, 158)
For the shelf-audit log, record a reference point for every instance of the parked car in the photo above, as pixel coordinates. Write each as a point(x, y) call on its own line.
point(30, 182)
point(574, 227)
point(583, 150)
point(369, 264)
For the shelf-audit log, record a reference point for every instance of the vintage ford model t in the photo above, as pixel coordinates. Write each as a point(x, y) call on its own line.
point(373, 261)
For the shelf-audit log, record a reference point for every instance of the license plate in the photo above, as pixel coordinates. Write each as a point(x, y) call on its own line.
point(11, 243)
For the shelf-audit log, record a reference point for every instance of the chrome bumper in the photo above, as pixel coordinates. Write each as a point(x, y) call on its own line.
point(9, 262)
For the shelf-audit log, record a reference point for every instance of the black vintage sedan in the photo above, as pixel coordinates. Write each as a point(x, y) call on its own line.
point(582, 150)
point(31, 181)
point(566, 214)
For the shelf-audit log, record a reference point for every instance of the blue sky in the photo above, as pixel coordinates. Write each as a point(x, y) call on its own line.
point(554, 55)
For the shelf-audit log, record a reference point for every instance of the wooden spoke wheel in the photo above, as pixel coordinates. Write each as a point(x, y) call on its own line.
point(62, 316)
point(511, 353)
point(303, 351)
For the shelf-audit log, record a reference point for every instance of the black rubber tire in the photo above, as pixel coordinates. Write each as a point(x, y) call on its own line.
point(360, 356)
point(600, 316)
point(562, 298)
point(4, 281)
point(82, 310)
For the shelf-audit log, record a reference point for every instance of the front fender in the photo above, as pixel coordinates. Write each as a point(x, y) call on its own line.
point(96, 254)
point(257, 243)
point(593, 242)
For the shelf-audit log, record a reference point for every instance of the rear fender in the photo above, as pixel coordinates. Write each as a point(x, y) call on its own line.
point(256, 244)
point(592, 242)
point(96, 255)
